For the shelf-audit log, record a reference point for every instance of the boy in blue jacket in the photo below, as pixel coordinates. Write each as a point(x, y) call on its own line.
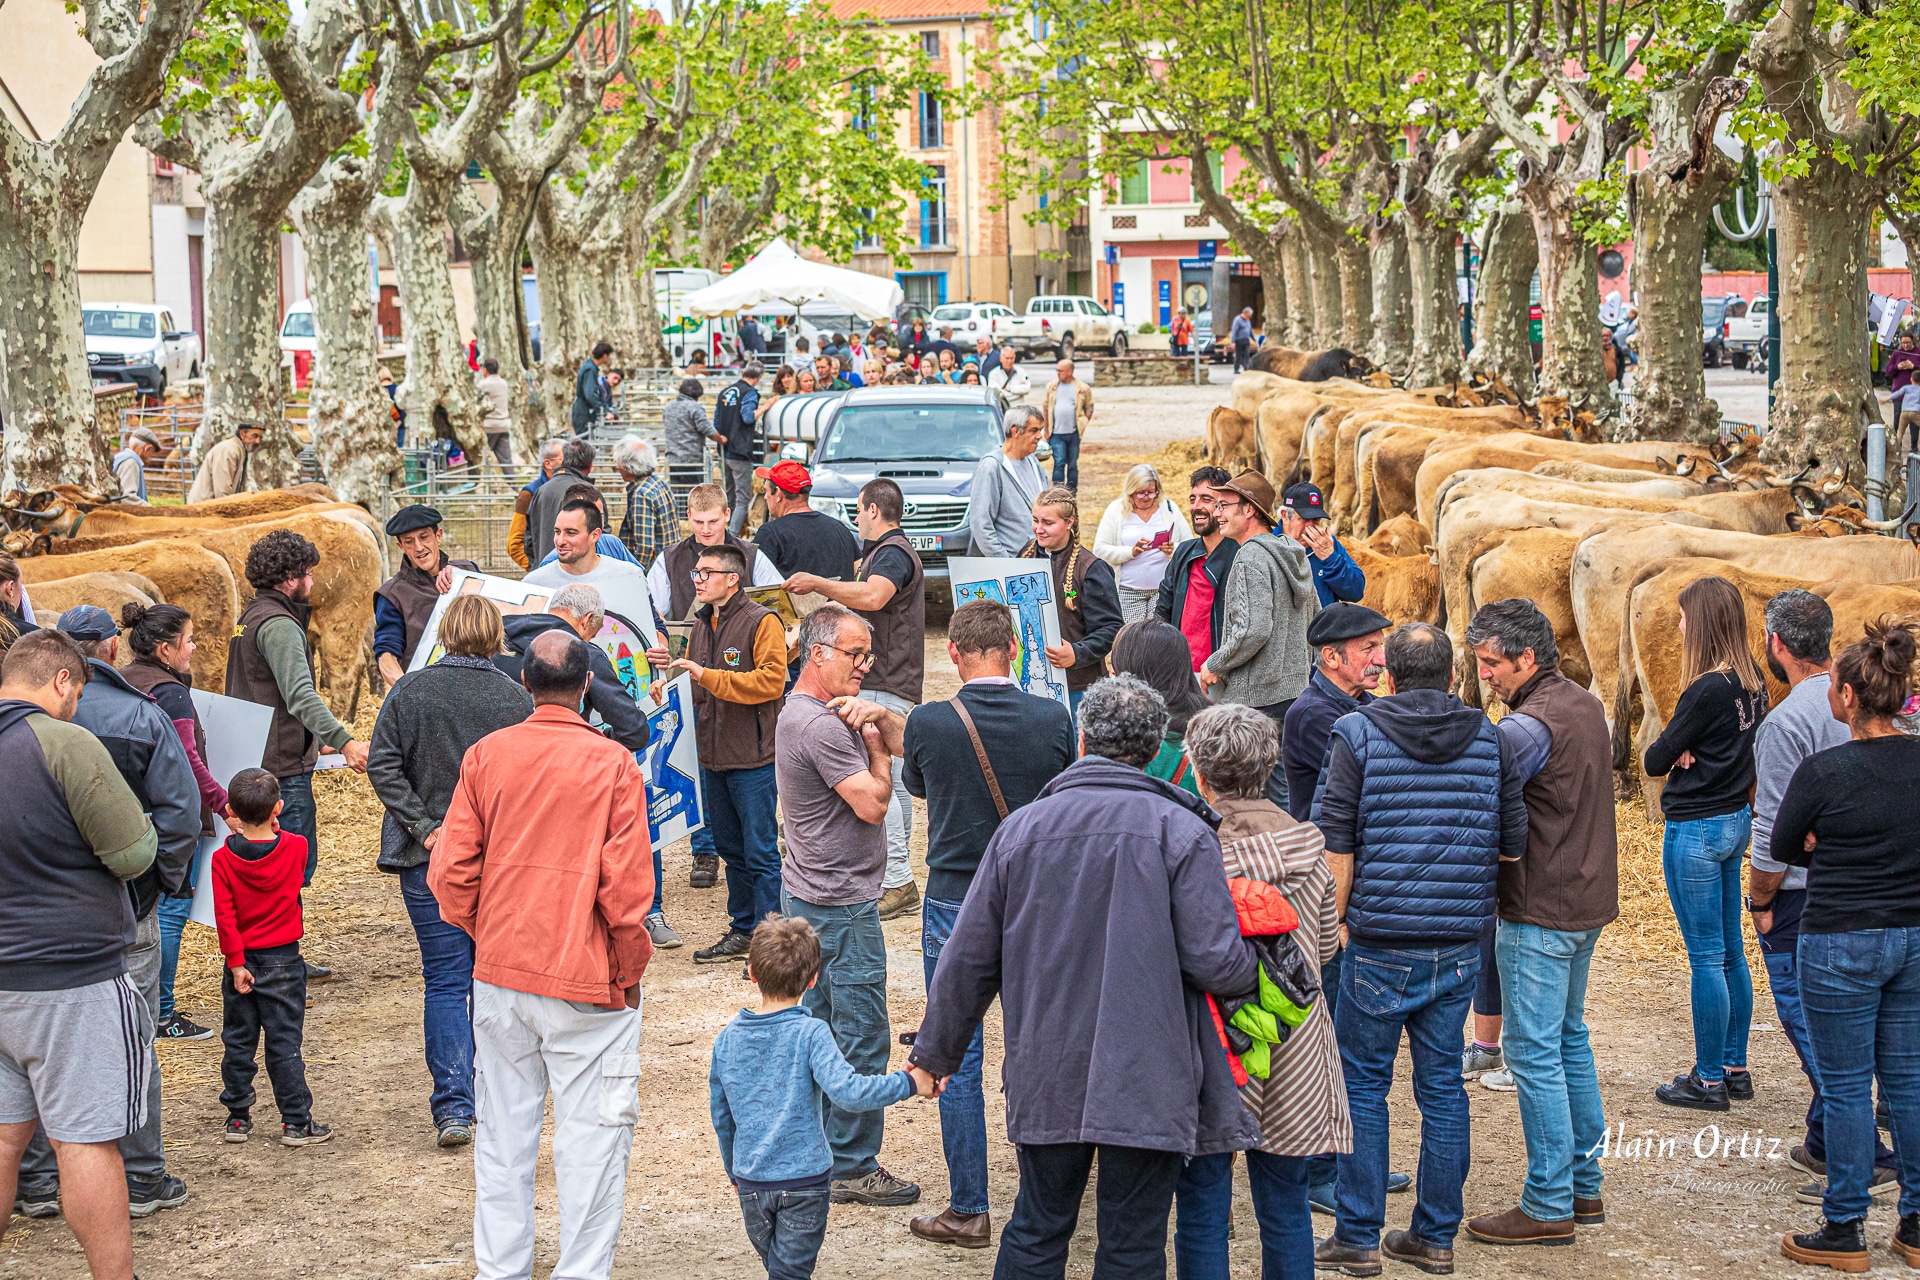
point(770, 1071)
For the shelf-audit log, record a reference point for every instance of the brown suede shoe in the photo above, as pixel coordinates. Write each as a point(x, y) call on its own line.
point(1404, 1246)
point(968, 1230)
point(1516, 1227)
point(1588, 1213)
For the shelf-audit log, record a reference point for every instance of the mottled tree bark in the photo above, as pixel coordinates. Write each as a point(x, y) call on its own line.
point(1434, 289)
point(1299, 278)
point(1392, 346)
point(1323, 261)
point(1356, 294)
point(1508, 258)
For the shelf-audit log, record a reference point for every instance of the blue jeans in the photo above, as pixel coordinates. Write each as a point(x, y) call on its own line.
point(850, 996)
point(1425, 992)
point(1783, 975)
point(1701, 859)
point(1543, 1005)
point(740, 809)
point(1203, 1203)
point(786, 1228)
point(1066, 459)
point(1861, 994)
point(300, 817)
point(172, 914)
point(446, 964)
point(963, 1106)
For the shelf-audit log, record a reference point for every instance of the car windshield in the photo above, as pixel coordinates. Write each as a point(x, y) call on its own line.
point(951, 313)
point(910, 432)
point(299, 325)
point(120, 324)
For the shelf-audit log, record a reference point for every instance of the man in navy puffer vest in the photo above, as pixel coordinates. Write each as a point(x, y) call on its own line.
point(1419, 802)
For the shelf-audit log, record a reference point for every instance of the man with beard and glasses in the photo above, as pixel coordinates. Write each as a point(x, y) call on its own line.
point(1190, 595)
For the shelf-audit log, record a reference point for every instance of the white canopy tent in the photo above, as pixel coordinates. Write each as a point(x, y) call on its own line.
point(777, 275)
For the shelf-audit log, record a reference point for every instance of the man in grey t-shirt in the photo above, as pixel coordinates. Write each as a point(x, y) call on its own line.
point(833, 764)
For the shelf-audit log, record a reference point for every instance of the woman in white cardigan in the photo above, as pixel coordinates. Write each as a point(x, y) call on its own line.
point(1137, 536)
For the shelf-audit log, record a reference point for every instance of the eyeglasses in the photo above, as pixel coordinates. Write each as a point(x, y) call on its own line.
point(862, 659)
point(701, 575)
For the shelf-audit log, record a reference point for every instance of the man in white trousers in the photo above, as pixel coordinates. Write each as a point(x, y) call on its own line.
point(545, 860)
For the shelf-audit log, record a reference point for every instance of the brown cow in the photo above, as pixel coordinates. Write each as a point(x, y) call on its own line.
point(110, 591)
point(1761, 511)
point(1401, 536)
point(187, 574)
point(1343, 501)
point(1231, 442)
point(1523, 450)
point(1405, 588)
point(1309, 366)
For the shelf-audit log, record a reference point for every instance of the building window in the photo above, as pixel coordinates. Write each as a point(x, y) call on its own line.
point(1126, 222)
point(1198, 219)
point(1134, 182)
point(863, 114)
point(869, 235)
point(933, 208)
point(923, 288)
point(931, 132)
point(930, 43)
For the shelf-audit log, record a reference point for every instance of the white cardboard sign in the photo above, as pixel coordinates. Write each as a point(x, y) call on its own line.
point(1026, 587)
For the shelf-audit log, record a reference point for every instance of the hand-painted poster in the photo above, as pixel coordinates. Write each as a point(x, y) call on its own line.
point(1025, 587)
point(627, 631)
point(236, 739)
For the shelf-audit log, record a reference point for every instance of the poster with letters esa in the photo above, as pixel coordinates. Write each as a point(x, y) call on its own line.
point(1026, 587)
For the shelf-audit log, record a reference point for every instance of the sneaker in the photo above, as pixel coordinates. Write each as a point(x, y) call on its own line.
point(1885, 1182)
point(664, 938)
point(1840, 1245)
point(1739, 1085)
point(178, 1026)
point(877, 1188)
point(1693, 1093)
point(1500, 1081)
point(144, 1198)
point(900, 900)
point(1320, 1199)
point(456, 1133)
point(42, 1201)
point(239, 1129)
point(731, 947)
point(1404, 1246)
point(1398, 1182)
point(1476, 1062)
point(706, 871)
point(1805, 1163)
point(1906, 1240)
point(1331, 1255)
point(310, 1134)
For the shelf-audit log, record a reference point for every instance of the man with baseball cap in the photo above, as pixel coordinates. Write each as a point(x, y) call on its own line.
point(1261, 659)
point(799, 539)
point(130, 464)
point(1303, 517)
point(405, 601)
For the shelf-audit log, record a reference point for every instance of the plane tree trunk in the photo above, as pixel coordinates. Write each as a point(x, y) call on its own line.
point(1508, 259)
point(1392, 346)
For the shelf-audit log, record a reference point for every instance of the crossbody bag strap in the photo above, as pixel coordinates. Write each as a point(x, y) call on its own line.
point(980, 754)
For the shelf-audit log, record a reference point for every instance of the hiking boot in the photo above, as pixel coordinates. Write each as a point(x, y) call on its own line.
point(664, 938)
point(1805, 1163)
point(1331, 1255)
point(1588, 1213)
point(178, 1026)
point(967, 1230)
point(1404, 1246)
point(239, 1129)
point(1840, 1245)
point(1885, 1182)
point(877, 1188)
point(318, 973)
point(1693, 1093)
point(455, 1133)
point(900, 900)
point(37, 1200)
point(1516, 1226)
point(1906, 1240)
point(1500, 1081)
point(706, 871)
point(1739, 1085)
point(732, 947)
point(146, 1198)
point(310, 1134)
point(1476, 1062)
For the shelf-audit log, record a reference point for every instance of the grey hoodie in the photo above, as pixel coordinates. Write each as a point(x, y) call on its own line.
point(1262, 656)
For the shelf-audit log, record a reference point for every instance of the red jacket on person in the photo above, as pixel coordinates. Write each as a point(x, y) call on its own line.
point(256, 901)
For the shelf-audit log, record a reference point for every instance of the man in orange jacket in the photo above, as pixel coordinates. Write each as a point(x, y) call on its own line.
point(545, 860)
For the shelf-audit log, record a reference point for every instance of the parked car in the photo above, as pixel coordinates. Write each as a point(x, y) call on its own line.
point(1713, 340)
point(137, 342)
point(1744, 331)
point(298, 341)
point(1061, 323)
point(926, 439)
point(971, 319)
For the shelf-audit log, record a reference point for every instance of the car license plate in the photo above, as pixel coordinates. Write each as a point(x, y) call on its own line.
point(924, 541)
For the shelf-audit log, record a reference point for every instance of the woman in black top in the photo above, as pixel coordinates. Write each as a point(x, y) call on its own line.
point(1848, 816)
point(1708, 750)
point(1084, 588)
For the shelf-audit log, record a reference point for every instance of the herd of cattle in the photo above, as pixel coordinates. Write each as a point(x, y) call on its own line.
point(1449, 500)
point(74, 548)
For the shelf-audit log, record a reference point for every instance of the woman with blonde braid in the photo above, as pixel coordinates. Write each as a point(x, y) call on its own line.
point(1084, 588)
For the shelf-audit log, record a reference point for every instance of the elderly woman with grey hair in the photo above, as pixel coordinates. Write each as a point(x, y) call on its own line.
point(648, 526)
point(1136, 535)
point(1302, 1104)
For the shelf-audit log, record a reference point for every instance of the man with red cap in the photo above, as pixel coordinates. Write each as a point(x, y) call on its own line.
point(799, 539)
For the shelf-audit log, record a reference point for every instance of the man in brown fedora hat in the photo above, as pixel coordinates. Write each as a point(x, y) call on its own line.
point(1262, 658)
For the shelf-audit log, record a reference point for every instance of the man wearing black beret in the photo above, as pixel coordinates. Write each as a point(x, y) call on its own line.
point(405, 601)
point(1346, 643)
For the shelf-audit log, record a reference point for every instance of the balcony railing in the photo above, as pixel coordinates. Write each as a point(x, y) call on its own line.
point(938, 233)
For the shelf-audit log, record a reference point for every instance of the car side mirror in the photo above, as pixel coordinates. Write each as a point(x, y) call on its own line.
point(794, 451)
point(171, 335)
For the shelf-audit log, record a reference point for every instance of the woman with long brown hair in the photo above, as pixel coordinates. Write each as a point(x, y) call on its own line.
point(1084, 588)
point(1708, 750)
point(1157, 653)
point(1848, 817)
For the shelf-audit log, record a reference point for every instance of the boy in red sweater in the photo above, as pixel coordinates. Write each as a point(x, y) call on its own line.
point(256, 909)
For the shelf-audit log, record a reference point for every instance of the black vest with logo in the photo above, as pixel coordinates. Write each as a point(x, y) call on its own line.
point(899, 628)
point(681, 558)
point(291, 750)
point(730, 735)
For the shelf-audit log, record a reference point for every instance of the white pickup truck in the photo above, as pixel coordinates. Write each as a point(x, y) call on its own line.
point(137, 342)
point(1060, 324)
point(1744, 331)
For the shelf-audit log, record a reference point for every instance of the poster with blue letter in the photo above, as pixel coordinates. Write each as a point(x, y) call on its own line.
point(1025, 587)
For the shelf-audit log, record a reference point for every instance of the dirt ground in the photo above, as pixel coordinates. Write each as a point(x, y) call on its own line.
point(382, 1201)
